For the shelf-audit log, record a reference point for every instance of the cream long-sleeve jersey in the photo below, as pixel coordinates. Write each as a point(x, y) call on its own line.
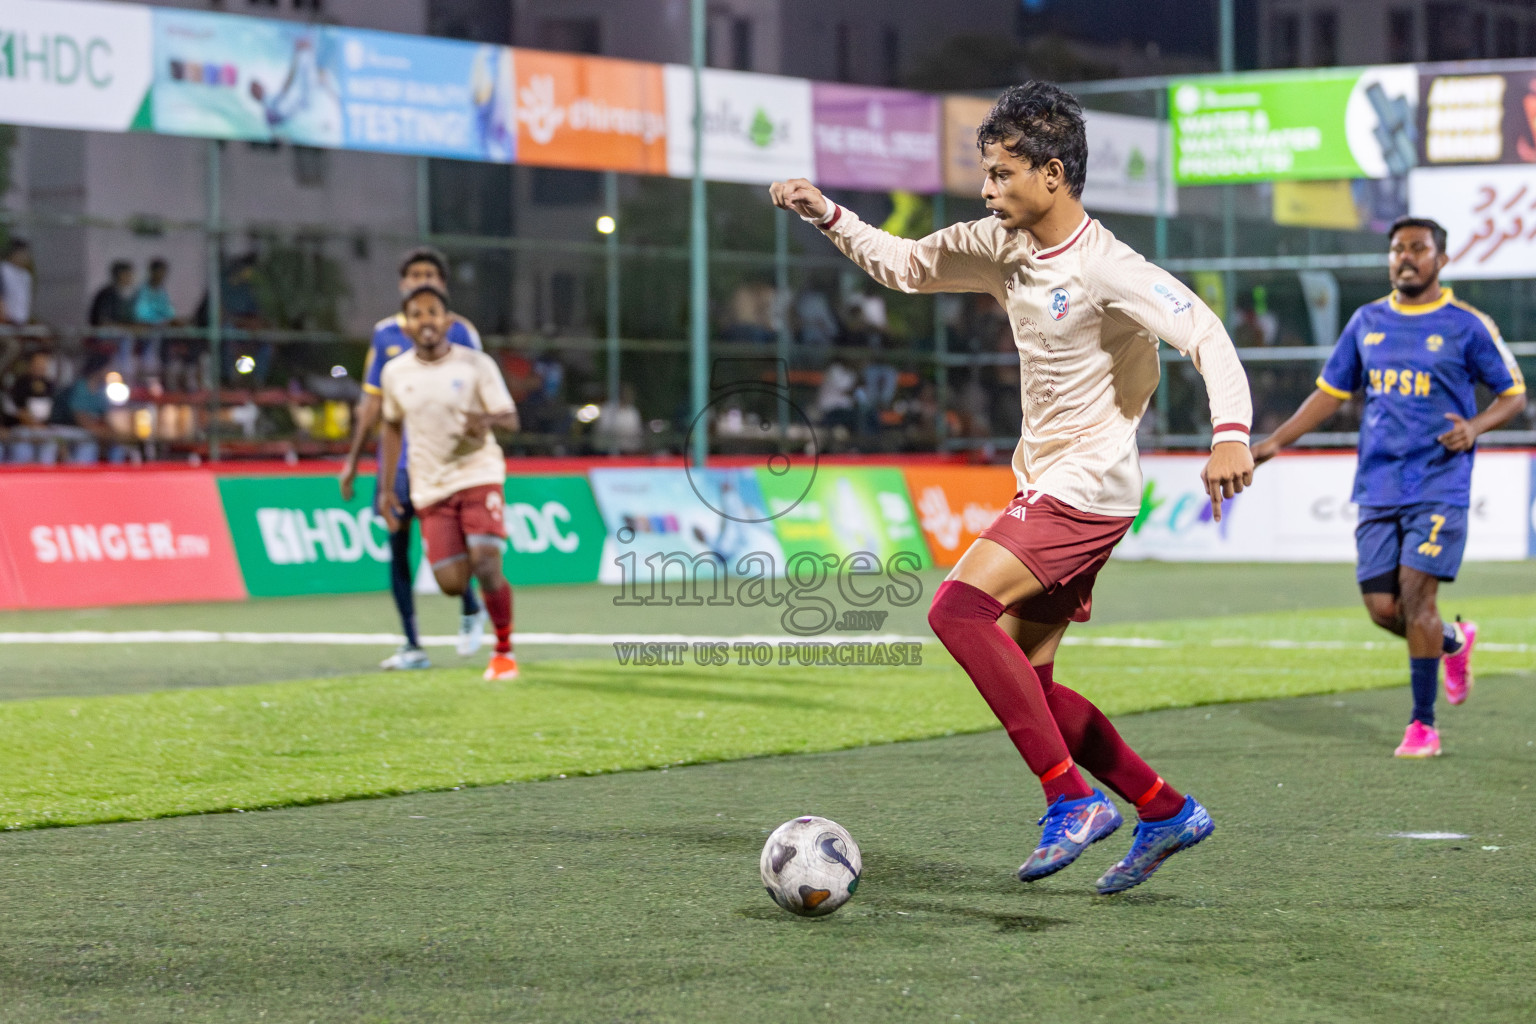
point(1086, 318)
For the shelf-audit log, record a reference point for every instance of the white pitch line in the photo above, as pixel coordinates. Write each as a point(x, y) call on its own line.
point(196, 636)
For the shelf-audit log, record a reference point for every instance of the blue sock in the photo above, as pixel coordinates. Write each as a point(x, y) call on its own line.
point(1451, 644)
point(468, 602)
point(1424, 675)
point(400, 583)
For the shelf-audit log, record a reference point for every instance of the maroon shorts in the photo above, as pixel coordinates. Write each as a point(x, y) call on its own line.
point(464, 518)
point(1064, 548)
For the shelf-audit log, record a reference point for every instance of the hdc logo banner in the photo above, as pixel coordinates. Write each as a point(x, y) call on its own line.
point(65, 64)
point(75, 541)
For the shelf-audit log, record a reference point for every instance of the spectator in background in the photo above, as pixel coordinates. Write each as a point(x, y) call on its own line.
point(113, 304)
point(544, 411)
point(152, 308)
point(16, 274)
point(836, 404)
point(818, 324)
point(83, 410)
point(620, 428)
point(752, 313)
point(29, 400)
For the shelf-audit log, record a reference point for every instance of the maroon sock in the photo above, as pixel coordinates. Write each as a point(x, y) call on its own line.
point(498, 603)
point(1096, 746)
point(965, 620)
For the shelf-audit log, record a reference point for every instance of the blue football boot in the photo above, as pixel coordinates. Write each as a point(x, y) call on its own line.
point(1071, 826)
point(1155, 842)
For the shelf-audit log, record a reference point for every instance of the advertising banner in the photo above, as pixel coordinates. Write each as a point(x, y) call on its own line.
point(1299, 510)
point(843, 509)
point(757, 128)
point(77, 541)
point(658, 518)
point(1478, 119)
point(1487, 216)
point(554, 531)
point(426, 97)
point(294, 535)
point(1123, 154)
point(1352, 123)
point(592, 112)
point(230, 77)
point(65, 64)
point(224, 76)
point(880, 140)
point(962, 160)
point(955, 503)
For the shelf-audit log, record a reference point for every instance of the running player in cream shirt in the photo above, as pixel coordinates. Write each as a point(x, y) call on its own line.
point(449, 397)
point(1086, 313)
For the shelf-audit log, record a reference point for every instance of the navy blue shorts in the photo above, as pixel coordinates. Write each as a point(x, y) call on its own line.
point(1429, 537)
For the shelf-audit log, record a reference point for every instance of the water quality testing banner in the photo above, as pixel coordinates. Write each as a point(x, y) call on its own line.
point(1301, 125)
point(232, 77)
point(656, 518)
point(81, 540)
point(84, 66)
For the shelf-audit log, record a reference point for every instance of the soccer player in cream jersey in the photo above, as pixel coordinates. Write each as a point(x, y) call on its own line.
point(1418, 355)
point(1087, 313)
point(420, 266)
point(449, 398)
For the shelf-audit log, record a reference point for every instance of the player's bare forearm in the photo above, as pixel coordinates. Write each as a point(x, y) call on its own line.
point(391, 438)
point(1313, 413)
point(368, 409)
point(799, 196)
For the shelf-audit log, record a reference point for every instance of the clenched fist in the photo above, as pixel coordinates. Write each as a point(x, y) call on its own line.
point(799, 196)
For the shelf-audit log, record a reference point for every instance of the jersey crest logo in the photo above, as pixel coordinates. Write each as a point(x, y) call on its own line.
point(1168, 295)
point(392, 351)
point(1060, 303)
point(1434, 342)
point(1374, 338)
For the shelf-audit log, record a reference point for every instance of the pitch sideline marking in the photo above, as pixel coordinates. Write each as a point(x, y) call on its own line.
point(194, 636)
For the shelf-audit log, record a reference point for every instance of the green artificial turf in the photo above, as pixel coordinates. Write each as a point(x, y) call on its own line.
point(73, 760)
point(635, 897)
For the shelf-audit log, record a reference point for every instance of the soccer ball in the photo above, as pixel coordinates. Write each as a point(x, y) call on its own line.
point(811, 866)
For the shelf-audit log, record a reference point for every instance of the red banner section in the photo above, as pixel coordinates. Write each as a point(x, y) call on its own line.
point(76, 541)
point(955, 503)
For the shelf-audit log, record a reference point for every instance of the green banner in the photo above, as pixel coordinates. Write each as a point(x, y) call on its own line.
point(1304, 125)
point(294, 535)
point(845, 509)
point(554, 531)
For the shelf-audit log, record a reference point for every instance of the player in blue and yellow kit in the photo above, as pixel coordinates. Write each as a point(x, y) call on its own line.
point(1418, 355)
point(421, 267)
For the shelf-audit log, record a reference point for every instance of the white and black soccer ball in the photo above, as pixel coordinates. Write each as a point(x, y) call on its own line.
point(811, 866)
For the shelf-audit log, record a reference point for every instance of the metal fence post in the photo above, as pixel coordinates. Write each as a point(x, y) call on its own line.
point(611, 252)
point(698, 328)
point(215, 236)
point(940, 340)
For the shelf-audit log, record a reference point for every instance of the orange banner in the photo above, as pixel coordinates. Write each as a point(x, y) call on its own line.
point(590, 112)
point(955, 503)
point(962, 160)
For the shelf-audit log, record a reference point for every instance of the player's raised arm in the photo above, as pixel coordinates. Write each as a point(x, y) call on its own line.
point(958, 258)
point(1132, 289)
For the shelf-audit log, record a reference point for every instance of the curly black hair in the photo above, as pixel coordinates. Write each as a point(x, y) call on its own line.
point(425, 254)
point(1040, 122)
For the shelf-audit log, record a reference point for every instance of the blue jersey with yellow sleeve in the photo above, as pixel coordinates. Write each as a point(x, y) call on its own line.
point(1415, 365)
point(390, 340)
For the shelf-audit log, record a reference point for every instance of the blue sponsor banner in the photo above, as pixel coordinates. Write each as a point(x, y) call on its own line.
point(429, 97)
point(649, 512)
point(231, 77)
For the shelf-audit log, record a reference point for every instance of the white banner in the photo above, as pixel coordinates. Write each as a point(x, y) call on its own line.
point(757, 128)
point(67, 64)
point(1487, 212)
point(1122, 164)
point(1299, 510)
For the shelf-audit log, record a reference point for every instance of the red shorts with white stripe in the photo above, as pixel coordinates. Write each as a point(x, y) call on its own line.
point(465, 519)
point(1064, 549)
